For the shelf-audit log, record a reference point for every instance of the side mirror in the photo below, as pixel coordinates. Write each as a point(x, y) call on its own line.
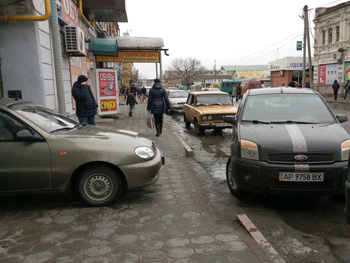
point(342, 118)
point(24, 135)
point(230, 119)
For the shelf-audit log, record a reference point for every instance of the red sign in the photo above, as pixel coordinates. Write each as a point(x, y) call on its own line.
point(70, 12)
point(106, 83)
point(322, 74)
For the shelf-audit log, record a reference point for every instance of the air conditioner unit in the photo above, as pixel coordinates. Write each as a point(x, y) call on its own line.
point(281, 72)
point(337, 55)
point(75, 42)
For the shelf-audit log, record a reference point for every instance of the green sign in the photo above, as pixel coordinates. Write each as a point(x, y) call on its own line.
point(299, 45)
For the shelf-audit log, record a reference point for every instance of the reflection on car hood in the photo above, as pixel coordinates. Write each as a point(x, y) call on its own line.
point(217, 109)
point(276, 138)
point(106, 133)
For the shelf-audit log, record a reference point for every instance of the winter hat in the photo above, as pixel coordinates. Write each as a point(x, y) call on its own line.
point(156, 80)
point(82, 78)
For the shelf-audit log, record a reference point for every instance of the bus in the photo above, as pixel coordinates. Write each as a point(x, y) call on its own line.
point(227, 85)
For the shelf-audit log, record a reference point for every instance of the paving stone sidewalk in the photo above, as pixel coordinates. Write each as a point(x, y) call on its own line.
point(170, 221)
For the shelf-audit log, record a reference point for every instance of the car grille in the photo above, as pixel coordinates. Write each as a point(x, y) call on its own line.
point(310, 186)
point(217, 117)
point(312, 158)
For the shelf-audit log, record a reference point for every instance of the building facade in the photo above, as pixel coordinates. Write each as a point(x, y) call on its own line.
point(29, 51)
point(332, 47)
point(287, 69)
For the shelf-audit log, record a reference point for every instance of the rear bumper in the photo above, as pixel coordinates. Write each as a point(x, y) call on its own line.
point(263, 177)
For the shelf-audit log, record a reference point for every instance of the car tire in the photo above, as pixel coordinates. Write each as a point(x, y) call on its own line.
point(187, 123)
point(198, 129)
point(99, 186)
point(231, 180)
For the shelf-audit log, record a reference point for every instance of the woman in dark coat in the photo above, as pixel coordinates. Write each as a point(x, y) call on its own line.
point(335, 87)
point(86, 106)
point(156, 104)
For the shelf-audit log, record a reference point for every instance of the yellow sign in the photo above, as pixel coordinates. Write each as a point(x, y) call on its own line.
point(108, 105)
point(130, 56)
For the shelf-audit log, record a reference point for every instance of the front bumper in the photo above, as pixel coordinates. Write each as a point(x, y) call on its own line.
point(144, 173)
point(213, 125)
point(263, 177)
point(347, 201)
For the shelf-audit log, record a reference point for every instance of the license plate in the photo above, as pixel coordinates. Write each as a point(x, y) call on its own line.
point(301, 177)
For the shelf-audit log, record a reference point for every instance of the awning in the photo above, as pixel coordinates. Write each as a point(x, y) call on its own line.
point(106, 10)
point(103, 46)
point(135, 43)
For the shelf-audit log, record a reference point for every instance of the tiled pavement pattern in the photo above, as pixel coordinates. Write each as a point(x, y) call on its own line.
point(170, 221)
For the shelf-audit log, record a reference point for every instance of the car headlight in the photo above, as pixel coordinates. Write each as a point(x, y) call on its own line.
point(145, 152)
point(345, 150)
point(204, 118)
point(210, 118)
point(249, 150)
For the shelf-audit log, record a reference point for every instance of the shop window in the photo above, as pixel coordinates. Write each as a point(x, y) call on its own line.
point(330, 33)
point(337, 34)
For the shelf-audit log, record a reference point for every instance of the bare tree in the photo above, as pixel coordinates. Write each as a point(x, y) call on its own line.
point(189, 69)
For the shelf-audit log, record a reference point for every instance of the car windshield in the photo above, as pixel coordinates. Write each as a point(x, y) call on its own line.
point(286, 108)
point(213, 99)
point(46, 119)
point(178, 94)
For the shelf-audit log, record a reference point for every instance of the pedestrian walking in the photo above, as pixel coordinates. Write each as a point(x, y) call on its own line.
point(156, 99)
point(347, 89)
point(335, 87)
point(238, 92)
point(131, 101)
point(86, 106)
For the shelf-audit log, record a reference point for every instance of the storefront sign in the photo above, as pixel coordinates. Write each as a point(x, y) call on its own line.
point(147, 57)
point(70, 12)
point(327, 61)
point(347, 58)
point(107, 91)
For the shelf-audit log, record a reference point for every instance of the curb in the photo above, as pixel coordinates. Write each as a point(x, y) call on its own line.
point(188, 149)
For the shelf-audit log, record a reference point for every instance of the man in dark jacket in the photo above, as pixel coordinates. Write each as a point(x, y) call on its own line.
point(157, 97)
point(86, 106)
point(131, 101)
point(335, 87)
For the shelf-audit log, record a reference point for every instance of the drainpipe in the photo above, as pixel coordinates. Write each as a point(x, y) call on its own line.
point(57, 57)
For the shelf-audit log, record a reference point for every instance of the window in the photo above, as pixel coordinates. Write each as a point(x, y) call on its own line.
point(9, 126)
point(330, 36)
point(337, 34)
point(323, 37)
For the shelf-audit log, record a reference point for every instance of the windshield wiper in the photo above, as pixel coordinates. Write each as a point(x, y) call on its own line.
point(256, 121)
point(78, 126)
point(292, 122)
point(217, 103)
point(202, 104)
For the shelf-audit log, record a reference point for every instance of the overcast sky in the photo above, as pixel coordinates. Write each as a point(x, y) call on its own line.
point(226, 31)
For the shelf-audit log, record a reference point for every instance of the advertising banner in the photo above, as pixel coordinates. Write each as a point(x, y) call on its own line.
point(131, 56)
point(332, 73)
point(107, 91)
point(322, 74)
point(347, 71)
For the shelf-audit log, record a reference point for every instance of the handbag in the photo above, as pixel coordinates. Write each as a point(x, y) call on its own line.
point(150, 121)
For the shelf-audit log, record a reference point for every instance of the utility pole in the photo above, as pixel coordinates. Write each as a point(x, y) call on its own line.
point(309, 47)
point(307, 36)
point(304, 47)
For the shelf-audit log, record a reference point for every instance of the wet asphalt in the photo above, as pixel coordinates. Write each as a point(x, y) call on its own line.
point(172, 220)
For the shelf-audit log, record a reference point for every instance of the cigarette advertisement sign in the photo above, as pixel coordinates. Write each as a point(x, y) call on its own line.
point(107, 91)
point(131, 56)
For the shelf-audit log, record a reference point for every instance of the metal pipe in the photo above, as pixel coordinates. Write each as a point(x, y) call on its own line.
point(44, 17)
point(86, 22)
point(160, 66)
point(57, 57)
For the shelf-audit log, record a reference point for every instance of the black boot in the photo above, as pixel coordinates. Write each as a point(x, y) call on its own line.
point(161, 127)
point(158, 130)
